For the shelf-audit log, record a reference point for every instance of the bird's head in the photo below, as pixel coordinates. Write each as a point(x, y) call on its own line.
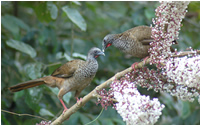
point(107, 41)
point(95, 53)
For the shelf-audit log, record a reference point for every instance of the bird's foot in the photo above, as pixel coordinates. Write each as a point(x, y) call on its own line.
point(145, 59)
point(79, 100)
point(134, 65)
point(65, 109)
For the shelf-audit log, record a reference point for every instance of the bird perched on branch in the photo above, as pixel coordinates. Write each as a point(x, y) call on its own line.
point(74, 75)
point(135, 41)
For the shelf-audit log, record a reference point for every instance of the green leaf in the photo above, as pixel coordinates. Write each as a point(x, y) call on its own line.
point(73, 119)
point(193, 119)
point(185, 110)
point(107, 121)
point(13, 24)
point(21, 46)
point(76, 2)
point(4, 121)
point(42, 11)
point(75, 17)
point(79, 55)
point(66, 97)
point(45, 112)
point(118, 121)
point(9, 25)
point(17, 95)
point(149, 13)
point(33, 70)
point(53, 10)
point(84, 119)
point(33, 97)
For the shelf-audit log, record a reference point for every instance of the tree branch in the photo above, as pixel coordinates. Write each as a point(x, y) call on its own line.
point(185, 53)
point(106, 84)
point(92, 94)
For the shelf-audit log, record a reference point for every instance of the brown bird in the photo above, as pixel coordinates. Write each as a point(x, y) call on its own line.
point(74, 75)
point(135, 41)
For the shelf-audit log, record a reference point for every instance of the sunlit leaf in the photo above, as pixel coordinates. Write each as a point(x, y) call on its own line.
point(53, 10)
point(76, 2)
point(68, 58)
point(75, 17)
point(66, 97)
point(79, 55)
point(21, 46)
point(13, 24)
point(33, 97)
point(45, 112)
point(33, 70)
point(9, 24)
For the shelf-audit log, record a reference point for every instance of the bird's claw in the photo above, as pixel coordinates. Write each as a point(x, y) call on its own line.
point(134, 65)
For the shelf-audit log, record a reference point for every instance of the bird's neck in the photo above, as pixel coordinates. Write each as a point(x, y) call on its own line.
point(91, 61)
point(92, 64)
point(119, 43)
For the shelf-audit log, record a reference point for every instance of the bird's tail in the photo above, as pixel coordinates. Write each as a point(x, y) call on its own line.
point(26, 85)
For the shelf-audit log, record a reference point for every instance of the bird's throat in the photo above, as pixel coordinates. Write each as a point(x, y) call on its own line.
point(109, 44)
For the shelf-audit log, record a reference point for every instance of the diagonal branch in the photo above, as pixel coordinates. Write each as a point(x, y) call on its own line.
point(106, 84)
point(92, 94)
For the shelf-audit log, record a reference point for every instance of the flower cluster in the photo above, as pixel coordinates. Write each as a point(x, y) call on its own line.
point(134, 108)
point(106, 98)
point(44, 123)
point(159, 81)
point(167, 24)
point(184, 71)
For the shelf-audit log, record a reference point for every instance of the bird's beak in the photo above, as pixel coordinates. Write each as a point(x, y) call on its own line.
point(101, 53)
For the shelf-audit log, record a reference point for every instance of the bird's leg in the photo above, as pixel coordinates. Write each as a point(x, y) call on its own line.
point(136, 63)
point(65, 108)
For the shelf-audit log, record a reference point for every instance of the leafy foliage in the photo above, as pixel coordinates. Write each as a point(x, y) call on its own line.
point(37, 37)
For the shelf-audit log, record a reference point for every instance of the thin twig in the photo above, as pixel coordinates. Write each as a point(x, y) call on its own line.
point(23, 114)
point(185, 53)
point(96, 117)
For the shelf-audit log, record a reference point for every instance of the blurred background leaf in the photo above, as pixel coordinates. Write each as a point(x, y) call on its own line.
point(21, 46)
point(75, 17)
point(37, 37)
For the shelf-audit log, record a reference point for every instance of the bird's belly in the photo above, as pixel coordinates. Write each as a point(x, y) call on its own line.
point(139, 52)
point(77, 82)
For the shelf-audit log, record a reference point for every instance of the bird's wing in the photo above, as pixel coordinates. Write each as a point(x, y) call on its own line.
point(141, 34)
point(67, 70)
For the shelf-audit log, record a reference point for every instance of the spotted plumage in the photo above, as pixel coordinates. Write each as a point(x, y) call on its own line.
point(134, 41)
point(74, 75)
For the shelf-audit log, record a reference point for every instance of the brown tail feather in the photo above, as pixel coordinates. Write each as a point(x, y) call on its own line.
point(26, 85)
